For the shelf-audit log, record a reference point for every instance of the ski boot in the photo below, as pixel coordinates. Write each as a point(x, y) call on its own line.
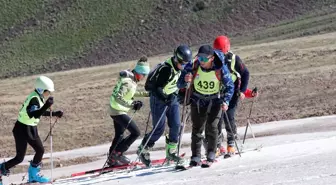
point(114, 159)
point(230, 151)
point(123, 159)
point(210, 159)
point(145, 155)
point(33, 174)
point(171, 152)
point(195, 161)
point(3, 172)
point(220, 151)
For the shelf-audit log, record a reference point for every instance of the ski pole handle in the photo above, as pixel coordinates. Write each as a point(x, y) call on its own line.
point(255, 90)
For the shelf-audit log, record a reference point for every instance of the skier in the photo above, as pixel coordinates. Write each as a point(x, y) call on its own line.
point(240, 76)
point(25, 129)
point(121, 102)
point(162, 85)
point(208, 75)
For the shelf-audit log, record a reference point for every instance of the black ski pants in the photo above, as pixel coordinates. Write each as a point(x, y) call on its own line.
point(24, 135)
point(204, 118)
point(121, 143)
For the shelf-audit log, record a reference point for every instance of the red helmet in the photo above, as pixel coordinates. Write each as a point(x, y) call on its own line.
point(222, 43)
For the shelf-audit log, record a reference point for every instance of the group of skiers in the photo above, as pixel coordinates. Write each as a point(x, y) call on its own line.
point(213, 81)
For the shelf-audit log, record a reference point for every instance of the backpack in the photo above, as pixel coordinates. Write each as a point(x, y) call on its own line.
point(153, 75)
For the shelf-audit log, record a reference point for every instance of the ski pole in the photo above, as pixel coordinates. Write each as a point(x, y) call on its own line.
point(144, 146)
point(51, 146)
point(49, 134)
point(234, 138)
point(255, 90)
point(147, 122)
point(50, 130)
point(118, 142)
point(184, 119)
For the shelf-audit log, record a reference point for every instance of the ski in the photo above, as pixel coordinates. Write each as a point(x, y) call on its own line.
point(203, 164)
point(31, 183)
point(120, 167)
point(227, 155)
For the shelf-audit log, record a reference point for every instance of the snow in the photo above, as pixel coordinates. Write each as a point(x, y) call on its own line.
point(296, 152)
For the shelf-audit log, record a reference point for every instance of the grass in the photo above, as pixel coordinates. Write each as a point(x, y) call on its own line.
point(74, 29)
point(314, 23)
point(77, 28)
point(14, 12)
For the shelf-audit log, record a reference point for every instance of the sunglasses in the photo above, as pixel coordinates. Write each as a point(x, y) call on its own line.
point(203, 59)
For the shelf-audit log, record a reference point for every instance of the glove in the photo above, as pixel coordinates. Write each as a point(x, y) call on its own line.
point(58, 114)
point(255, 92)
point(49, 102)
point(137, 105)
point(225, 107)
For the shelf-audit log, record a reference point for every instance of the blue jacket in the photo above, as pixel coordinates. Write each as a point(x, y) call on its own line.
point(217, 64)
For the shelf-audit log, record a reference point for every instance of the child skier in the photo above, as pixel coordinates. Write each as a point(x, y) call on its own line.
point(25, 129)
point(121, 102)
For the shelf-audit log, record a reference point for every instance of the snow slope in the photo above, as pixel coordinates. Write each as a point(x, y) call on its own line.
point(296, 152)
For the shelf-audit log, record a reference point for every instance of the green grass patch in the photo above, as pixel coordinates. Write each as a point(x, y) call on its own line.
point(13, 12)
point(78, 27)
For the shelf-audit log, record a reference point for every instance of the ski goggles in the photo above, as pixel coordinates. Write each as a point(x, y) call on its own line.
point(203, 59)
point(181, 62)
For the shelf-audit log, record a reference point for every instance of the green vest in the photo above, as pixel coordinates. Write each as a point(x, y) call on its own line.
point(171, 86)
point(128, 97)
point(23, 115)
point(234, 73)
point(206, 83)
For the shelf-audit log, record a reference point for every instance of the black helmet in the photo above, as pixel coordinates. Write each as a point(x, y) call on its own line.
point(183, 54)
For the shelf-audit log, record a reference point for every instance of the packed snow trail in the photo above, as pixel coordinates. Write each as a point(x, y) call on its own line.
point(306, 162)
point(296, 158)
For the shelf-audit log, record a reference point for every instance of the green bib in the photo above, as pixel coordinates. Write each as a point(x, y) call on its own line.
point(23, 115)
point(171, 86)
point(234, 73)
point(127, 97)
point(206, 82)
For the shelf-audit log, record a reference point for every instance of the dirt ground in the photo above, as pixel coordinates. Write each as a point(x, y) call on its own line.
point(296, 79)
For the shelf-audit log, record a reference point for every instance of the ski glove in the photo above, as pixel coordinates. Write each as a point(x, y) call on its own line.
point(49, 102)
point(137, 105)
point(58, 114)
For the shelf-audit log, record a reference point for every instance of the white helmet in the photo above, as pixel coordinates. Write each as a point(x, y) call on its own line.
point(44, 83)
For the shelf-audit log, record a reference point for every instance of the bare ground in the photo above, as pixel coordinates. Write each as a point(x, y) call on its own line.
point(296, 79)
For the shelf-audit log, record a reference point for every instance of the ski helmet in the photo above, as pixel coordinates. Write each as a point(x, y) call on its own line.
point(183, 54)
point(44, 83)
point(222, 43)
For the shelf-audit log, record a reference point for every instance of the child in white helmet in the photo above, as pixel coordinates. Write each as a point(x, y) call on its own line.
point(25, 129)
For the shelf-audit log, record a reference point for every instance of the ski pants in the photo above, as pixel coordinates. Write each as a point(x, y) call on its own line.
point(173, 115)
point(207, 118)
point(231, 115)
point(122, 123)
point(24, 135)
